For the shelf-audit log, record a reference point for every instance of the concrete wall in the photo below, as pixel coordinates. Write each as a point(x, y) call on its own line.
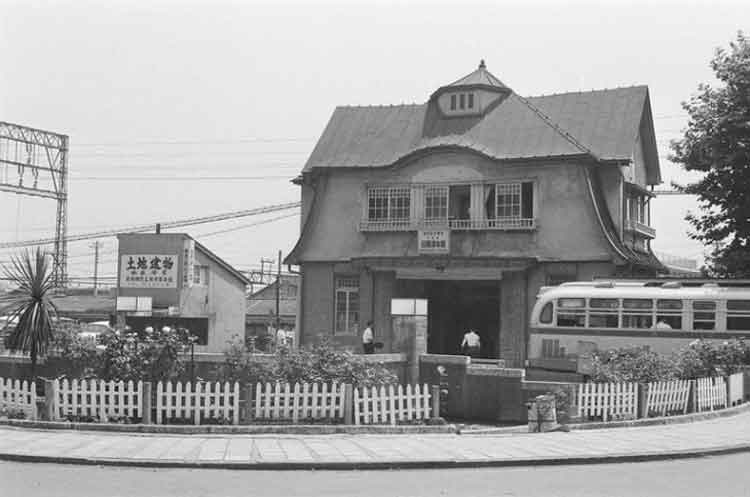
point(567, 225)
point(223, 301)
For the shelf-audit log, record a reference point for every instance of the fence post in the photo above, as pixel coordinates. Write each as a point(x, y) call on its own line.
point(348, 404)
point(50, 399)
point(435, 401)
point(692, 397)
point(146, 402)
point(247, 396)
point(642, 400)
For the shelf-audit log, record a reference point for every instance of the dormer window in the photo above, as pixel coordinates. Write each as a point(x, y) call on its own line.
point(471, 100)
point(453, 102)
point(463, 101)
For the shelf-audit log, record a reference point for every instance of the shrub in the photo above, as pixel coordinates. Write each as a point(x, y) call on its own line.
point(638, 364)
point(151, 357)
point(321, 363)
point(81, 357)
point(12, 413)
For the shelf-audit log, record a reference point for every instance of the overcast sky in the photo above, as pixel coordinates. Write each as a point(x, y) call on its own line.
point(175, 92)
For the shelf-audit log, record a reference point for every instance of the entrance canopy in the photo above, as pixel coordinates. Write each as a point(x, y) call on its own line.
point(446, 268)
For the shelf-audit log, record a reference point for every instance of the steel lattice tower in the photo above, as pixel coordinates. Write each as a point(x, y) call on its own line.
point(34, 162)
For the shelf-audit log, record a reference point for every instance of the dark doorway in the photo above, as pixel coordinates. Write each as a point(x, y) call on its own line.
point(456, 306)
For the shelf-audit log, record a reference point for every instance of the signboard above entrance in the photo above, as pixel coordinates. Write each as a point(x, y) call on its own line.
point(148, 271)
point(433, 241)
point(408, 307)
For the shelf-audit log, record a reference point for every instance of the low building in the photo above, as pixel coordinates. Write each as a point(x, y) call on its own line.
point(172, 280)
point(261, 310)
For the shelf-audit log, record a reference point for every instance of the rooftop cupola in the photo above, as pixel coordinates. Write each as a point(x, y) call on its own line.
point(471, 95)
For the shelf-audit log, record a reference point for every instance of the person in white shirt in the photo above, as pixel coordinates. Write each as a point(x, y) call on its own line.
point(280, 337)
point(368, 339)
point(471, 343)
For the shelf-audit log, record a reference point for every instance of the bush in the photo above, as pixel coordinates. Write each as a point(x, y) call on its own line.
point(322, 363)
point(637, 364)
point(697, 360)
point(153, 357)
point(12, 413)
point(81, 356)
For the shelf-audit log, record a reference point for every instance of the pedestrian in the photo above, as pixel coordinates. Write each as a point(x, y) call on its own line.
point(471, 343)
point(280, 337)
point(368, 339)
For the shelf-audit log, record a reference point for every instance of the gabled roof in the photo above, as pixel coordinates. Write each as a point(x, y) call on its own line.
point(220, 262)
point(607, 121)
point(381, 136)
point(600, 124)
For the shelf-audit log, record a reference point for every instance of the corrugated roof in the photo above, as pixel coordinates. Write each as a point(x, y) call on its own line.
point(603, 122)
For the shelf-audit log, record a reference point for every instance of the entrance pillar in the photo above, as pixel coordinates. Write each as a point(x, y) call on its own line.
point(409, 325)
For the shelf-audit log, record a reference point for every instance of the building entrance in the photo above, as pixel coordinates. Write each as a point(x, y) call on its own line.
point(455, 306)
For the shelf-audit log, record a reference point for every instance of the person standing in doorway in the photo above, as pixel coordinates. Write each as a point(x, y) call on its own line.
point(368, 339)
point(471, 343)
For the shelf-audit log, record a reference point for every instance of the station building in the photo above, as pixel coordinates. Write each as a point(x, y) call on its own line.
point(473, 200)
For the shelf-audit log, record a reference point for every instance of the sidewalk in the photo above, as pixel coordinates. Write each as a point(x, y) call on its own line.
point(716, 436)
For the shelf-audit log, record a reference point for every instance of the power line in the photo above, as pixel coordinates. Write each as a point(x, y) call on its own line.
point(165, 225)
point(192, 142)
point(179, 178)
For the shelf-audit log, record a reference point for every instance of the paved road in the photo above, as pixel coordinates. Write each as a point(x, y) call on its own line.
point(705, 477)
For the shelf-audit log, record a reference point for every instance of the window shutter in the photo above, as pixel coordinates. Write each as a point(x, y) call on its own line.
point(527, 200)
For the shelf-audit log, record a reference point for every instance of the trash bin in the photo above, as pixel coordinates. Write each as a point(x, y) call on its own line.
point(542, 414)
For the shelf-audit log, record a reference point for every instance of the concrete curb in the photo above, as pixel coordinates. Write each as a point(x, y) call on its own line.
point(234, 430)
point(632, 423)
point(385, 465)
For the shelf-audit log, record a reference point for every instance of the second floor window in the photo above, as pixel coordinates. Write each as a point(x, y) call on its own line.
point(514, 200)
point(388, 204)
point(436, 203)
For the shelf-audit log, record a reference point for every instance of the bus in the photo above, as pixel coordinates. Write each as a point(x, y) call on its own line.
point(571, 321)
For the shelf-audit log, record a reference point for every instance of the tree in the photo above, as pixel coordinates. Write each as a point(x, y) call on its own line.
point(717, 143)
point(30, 305)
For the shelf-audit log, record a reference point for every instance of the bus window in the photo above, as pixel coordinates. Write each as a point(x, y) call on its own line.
point(637, 313)
point(704, 315)
point(571, 312)
point(603, 313)
point(668, 314)
point(546, 315)
point(738, 315)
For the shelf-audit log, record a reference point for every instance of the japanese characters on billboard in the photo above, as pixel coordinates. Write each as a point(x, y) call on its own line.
point(148, 271)
point(188, 263)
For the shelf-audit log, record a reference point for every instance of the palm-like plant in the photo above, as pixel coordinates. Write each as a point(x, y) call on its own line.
point(30, 307)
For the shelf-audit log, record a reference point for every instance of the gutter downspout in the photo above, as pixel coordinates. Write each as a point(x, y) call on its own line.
point(599, 216)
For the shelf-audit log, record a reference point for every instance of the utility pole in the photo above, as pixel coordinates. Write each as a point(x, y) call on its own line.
point(96, 268)
point(278, 288)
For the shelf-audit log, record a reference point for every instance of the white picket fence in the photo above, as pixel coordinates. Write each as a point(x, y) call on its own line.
point(298, 402)
point(198, 401)
point(18, 395)
point(608, 400)
point(391, 405)
point(97, 399)
point(667, 397)
point(735, 389)
point(710, 394)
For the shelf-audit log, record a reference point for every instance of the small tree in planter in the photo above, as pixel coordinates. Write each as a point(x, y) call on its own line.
point(30, 305)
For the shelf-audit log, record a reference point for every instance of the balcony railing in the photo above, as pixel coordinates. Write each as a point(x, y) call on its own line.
point(640, 228)
point(508, 224)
